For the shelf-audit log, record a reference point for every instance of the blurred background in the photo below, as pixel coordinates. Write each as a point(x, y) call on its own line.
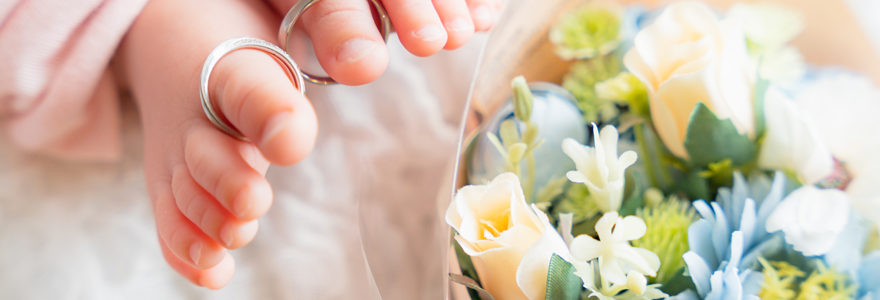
point(85, 231)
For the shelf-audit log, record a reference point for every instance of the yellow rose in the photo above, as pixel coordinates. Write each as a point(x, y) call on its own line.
point(509, 242)
point(689, 56)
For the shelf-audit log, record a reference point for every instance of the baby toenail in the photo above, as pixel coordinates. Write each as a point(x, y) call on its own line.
point(430, 33)
point(276, 124)
point(195, 252)
point(227, 234)
point(459, 25)
point(242, 206)
point(355, 49)
point(482, 14)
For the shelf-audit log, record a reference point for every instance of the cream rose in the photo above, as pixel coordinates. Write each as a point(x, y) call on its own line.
point(689, 56)
point(509, 242)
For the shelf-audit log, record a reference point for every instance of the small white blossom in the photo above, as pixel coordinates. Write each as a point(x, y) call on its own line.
point(599, 167)
point(618, 261)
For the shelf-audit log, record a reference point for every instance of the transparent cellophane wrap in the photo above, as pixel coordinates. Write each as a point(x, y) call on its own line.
point(519, 45)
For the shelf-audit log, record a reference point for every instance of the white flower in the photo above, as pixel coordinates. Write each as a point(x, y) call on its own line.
point(618, 261)
point(599, 167)
point(811, 219)
point(784, 65)
point(510, 243)
point(846, 108)
point(689, 56)
point(767, 25)
point(791, 142)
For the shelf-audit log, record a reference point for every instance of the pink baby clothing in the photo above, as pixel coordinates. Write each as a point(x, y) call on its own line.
point(57, 94)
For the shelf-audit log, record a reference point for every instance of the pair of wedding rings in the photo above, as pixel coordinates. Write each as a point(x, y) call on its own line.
point(285, 33)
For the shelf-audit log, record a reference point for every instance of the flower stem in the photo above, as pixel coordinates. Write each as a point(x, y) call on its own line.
point(647, 158)
point(666, 177)
point(530, 178)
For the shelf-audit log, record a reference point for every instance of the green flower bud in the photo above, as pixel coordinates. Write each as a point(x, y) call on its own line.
point(522, 99)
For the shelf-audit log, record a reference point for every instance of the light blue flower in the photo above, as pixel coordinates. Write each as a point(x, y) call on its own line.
point(726, 243)
point(869, 277)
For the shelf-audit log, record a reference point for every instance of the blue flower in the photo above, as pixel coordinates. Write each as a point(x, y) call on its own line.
point(726, 243)
point(869, 276)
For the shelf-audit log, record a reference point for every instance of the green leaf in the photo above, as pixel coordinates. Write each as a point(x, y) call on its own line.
point(678, 283)
point(516, 152)
point(711, 140)
point(695, 186)
point(635, 200)
point(531, 133)
point(551, 190)
point(472, 286)
point(495, 142)
point(719, 173)
point(760, 91)
point(467, 268)
point(562, 283)
point(508, 132)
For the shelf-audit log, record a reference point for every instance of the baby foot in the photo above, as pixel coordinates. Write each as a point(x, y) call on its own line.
point(350, 48)
point(208, 188)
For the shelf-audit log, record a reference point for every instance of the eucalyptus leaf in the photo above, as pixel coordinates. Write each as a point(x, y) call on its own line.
point(562, 283)
point(710, 139)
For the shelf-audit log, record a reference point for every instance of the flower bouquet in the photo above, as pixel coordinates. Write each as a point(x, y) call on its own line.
point(679, 152)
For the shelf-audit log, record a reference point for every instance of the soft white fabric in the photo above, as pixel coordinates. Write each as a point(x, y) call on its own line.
point(85, 231)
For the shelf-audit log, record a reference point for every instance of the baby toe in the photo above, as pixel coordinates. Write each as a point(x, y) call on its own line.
point(214, 277)
point(184, 239)
point(457, 21)
point(484, 13)
point(215, 162)
point(418, 25)
point(206, 213)
point(260, 100)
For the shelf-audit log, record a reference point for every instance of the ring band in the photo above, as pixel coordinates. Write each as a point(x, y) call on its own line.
point(227, 47)
point(286, 31)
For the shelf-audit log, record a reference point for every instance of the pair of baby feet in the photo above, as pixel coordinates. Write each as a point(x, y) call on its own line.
point(208, 189)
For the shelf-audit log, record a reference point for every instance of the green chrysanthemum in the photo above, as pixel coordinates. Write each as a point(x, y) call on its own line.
point(589, 31)
point(625, 88)
point(577, 202)
point(667, 225)
point(581, 81)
